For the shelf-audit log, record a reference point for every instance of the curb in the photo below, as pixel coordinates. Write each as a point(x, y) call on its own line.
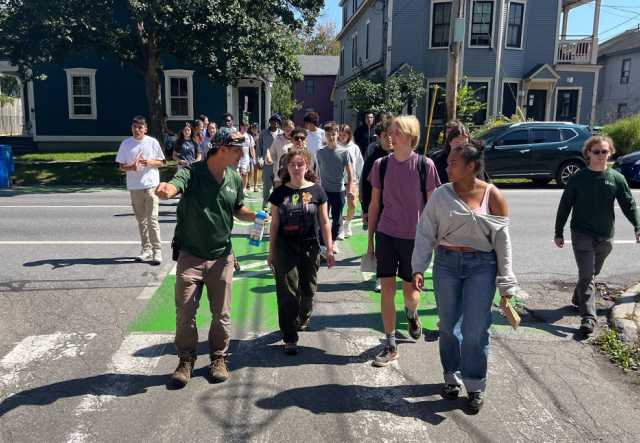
point(625, 315)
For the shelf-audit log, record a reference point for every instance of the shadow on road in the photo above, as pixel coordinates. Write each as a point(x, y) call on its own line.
point(118, 385)
point(56, 263)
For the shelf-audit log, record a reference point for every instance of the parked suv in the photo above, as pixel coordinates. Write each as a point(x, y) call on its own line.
point(540, 151)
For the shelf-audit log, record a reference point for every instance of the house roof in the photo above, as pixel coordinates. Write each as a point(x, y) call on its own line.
point(628, 40)
point(319, 64)
point(541, 71)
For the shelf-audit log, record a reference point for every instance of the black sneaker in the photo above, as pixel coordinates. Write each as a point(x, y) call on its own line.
point(450, 392)
point(476, 400)
point(291, 348)
point(415, 327)
point(302, 324)
point(388, 355)
point(587, 326)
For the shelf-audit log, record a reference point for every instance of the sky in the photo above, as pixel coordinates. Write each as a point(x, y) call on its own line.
point(616, 16)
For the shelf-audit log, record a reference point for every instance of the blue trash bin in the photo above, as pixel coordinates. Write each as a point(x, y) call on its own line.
point(7, 166)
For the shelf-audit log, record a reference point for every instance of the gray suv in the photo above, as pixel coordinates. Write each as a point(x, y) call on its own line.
point(540, 151)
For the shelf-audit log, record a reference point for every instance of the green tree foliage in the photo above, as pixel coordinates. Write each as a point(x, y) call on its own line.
point(400, 89)
point(224, 39)
point(625, 134)
point(282, 100)
point(319, 40)
point(468, 104)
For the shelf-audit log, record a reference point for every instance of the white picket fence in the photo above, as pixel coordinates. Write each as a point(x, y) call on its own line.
point(11, 118)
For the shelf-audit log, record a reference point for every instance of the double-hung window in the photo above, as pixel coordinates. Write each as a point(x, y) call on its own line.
point(178, 84)
point(310, 87)
point(354, 50)
point(625, 73)
point(481, 23)
point(481, 92)
point(515, 25)
point(81, 93)
point(440, 24)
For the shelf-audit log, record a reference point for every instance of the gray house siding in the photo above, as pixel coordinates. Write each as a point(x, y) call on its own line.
point(612, 93)
point(409, 39)
point(541, 33)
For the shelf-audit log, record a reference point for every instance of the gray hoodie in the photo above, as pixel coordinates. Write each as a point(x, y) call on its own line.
point(447, 217)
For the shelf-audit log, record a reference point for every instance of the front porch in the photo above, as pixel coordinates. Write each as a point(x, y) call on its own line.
point(578, 49)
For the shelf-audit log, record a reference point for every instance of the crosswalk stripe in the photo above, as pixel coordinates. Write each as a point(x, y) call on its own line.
point(139, 354)
point(38, 347)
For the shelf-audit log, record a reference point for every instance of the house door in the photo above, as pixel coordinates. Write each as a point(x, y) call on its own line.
point(567, 105)
point(249, 104)
point(537, 104)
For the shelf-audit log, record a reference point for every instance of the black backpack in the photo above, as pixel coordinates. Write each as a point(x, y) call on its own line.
point(422, 171)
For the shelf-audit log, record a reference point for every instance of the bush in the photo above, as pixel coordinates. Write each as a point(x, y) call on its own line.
point(625, 134)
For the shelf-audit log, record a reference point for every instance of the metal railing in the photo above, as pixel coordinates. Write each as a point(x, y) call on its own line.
point(576, 49)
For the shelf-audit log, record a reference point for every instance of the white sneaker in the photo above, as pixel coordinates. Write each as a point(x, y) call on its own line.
point(340, 234)
point(323, 252)
point(145, 255)
point(335, 249)
point(378, 287)
point(157, 257)
point(347, 230)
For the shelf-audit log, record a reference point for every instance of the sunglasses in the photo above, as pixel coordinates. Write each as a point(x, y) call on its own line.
point(599, 152)
point(299, 138)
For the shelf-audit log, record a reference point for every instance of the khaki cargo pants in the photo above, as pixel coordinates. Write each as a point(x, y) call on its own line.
point(192, 274)
point(145, 207)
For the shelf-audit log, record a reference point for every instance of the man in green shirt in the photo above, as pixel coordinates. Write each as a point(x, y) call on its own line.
point(212, 195)
point(591, 193)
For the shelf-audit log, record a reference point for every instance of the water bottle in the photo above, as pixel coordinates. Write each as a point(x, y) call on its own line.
point(257, 230)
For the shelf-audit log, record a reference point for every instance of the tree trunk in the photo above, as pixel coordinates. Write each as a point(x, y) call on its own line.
point(153, 90)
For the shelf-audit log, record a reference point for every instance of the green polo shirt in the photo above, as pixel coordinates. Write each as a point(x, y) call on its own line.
point(205, 212)
point(590, 197)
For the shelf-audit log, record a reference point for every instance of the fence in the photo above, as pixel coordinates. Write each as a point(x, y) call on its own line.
point(11, 118)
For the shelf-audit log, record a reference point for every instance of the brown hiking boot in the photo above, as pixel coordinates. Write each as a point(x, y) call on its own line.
point(218, 370)
point(182, 374)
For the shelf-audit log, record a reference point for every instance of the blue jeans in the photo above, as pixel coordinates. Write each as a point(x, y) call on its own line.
point(465, 284)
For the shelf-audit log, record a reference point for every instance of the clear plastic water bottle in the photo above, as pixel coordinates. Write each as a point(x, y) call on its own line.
point(257, 230)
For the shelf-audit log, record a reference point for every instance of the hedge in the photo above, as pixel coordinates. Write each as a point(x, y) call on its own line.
point(625, 134)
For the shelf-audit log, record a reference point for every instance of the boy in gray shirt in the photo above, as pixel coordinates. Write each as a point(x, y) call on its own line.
point(332, 165)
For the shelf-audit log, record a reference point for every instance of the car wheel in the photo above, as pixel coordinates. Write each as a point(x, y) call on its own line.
point(540, 181)
point(567, 170)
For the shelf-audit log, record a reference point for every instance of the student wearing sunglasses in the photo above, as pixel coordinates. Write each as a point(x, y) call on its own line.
point(590, 197)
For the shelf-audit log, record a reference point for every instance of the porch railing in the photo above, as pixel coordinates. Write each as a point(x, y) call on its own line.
point(577, 50)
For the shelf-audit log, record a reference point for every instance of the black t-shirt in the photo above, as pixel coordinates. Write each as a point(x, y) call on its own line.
point(298, 211)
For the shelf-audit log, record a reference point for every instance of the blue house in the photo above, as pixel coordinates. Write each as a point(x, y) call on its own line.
point(516, 53)
point(86, 103)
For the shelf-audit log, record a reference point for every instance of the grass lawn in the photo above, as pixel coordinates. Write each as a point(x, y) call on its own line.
point(73, 169)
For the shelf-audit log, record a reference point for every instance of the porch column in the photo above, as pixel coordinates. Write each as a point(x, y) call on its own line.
point(268, 85)
point(565, 22)
point(596, 29)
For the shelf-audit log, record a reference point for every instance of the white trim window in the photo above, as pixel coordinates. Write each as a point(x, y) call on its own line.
point(481, 92)
point(625, 72)
point(481, 24)
point(81, 93)
point(515, 24)
point(440, 24)
point(178, 94)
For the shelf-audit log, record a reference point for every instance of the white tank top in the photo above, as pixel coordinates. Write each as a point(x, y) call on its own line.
point(483, 209)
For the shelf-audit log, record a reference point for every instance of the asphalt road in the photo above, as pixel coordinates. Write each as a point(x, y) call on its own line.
point(85, 350)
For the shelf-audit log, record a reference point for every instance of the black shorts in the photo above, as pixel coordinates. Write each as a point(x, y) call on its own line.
point(393, 256)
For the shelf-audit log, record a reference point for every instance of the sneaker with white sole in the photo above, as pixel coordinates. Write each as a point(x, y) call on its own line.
point(145, 255)
point(157, 257)
point(323, 252)
point(378, 286)
point(335, 249)
point(347, 230)
point(388, 355)
point(340, 234)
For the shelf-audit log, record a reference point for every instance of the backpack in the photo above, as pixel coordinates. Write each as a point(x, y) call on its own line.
point(422, 171)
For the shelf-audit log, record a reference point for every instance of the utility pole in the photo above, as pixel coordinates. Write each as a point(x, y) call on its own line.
point(456, 40)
